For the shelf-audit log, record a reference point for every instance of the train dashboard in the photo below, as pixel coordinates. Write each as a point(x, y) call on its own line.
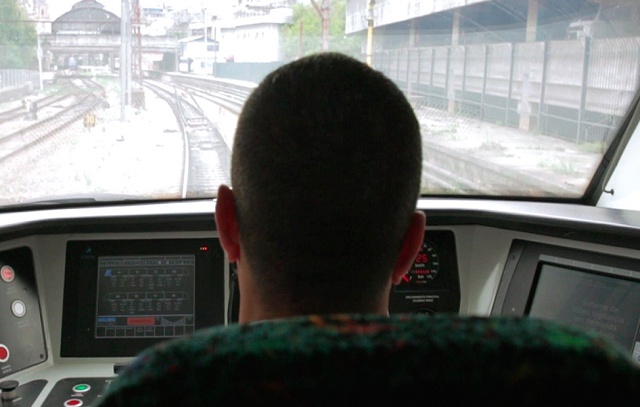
point(528, 114)
point(73, 267)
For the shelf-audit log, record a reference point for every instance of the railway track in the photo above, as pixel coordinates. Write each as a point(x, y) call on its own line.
point(206, 155)
point(230, 95)
point(81, 100)
point(19, 112)
point(444, 169)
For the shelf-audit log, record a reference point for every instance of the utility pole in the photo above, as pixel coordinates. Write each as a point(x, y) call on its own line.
point(137, 32)
point(325, 14)
point(40, 29)
point(300, 33)
point(206, 43)
point(370, 32)
point(39, 55)
point(216, 44)
point(125, 59)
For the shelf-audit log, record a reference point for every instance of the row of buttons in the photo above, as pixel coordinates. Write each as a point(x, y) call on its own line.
point(18, 308)
point(8, 275)
point(78, 388)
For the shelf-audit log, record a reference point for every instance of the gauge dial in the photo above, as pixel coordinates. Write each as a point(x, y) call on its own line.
point(425, 269)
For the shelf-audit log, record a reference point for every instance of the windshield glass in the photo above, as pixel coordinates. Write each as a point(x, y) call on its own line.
point(127, 99)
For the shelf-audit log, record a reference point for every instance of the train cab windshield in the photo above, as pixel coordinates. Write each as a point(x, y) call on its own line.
point(518, 98)
point(117, 123)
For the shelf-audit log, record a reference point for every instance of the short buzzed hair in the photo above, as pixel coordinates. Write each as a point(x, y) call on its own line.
point(326, 170)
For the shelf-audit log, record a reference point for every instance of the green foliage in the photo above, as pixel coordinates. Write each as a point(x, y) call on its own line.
point(304, 35)
point(598, 147)
point(18, 39)
point(559, 166)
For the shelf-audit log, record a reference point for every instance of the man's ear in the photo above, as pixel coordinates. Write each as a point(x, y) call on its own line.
point(227, 223)
point(410, 246)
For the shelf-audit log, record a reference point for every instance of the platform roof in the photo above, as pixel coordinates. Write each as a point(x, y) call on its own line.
point(392, 11)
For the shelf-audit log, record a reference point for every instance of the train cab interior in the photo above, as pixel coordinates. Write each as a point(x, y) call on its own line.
point(529, 113)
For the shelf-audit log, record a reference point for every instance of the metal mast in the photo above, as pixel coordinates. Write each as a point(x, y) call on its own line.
point(137, 43)
point(125, 59)
point(324, 12)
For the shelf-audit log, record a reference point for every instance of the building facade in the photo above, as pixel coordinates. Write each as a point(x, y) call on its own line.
point(254, 34)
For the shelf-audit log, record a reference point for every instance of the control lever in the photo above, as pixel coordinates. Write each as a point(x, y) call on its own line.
point(8, 388)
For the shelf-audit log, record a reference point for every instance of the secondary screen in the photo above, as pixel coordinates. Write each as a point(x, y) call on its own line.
point(145, 296)
point(595, 302)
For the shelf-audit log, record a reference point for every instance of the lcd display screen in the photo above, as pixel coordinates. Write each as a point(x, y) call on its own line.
point(605, 304)
point(145, 296)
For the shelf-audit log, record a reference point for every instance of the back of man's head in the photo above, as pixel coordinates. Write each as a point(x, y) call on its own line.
point(326, 172)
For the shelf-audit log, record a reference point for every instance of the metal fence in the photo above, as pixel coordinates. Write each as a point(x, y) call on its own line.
point(575, 89)
point(10, 78)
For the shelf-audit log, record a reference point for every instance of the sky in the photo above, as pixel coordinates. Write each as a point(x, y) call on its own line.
point(59, 7)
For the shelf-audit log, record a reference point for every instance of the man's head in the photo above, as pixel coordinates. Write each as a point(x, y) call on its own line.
point(325, 170)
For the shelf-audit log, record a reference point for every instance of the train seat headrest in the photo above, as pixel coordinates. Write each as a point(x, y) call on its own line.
point(354, 359)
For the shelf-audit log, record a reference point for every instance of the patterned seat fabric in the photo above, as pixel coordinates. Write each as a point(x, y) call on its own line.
point(348, 359)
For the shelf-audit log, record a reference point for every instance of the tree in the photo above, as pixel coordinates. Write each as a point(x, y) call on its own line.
point(304, 35)
point(18, 39)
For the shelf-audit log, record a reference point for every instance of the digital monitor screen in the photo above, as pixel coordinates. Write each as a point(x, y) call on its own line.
point(588, 290)
point(145, 296)
point(121, 296)
point(601, 303)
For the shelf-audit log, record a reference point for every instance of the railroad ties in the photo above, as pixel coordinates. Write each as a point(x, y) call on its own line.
point(26, 126)
point(447, 168)
point(206, 155)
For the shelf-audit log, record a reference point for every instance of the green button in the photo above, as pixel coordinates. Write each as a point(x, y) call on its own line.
point(81, 388)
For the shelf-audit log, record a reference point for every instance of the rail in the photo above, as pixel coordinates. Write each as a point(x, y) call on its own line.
point(84, 100)
point(204, 149)
point(446, 168)
point(229, 94)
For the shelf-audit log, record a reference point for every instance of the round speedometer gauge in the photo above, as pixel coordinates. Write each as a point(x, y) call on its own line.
point(425, 269)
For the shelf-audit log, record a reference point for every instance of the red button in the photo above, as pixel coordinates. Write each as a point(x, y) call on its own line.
point(73, 403)
point(7, 274)
point(4, 353)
